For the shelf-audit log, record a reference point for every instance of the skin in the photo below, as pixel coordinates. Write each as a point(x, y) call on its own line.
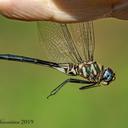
point(64, 10)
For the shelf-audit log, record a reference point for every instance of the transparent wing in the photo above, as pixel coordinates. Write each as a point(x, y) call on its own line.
point(87, 30)
point(67, 43)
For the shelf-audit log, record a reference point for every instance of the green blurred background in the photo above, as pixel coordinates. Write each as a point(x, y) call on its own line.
point(24, 87)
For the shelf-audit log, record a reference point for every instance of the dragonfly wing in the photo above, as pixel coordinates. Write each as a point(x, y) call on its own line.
point(83, 36)
point(65, 43)
point(53, 43)
point(90, 40)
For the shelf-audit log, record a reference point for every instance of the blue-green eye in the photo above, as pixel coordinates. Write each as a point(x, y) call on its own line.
point(108, 75)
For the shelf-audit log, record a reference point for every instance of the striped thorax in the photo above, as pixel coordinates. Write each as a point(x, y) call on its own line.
point(90, 71)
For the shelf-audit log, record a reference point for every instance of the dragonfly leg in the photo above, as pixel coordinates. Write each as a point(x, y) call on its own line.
point(88, 86)
point(54, 91)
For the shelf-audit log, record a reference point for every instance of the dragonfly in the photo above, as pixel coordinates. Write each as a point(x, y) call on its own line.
point(69, 48)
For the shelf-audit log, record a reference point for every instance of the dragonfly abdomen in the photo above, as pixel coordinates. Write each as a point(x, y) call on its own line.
point(69, 69)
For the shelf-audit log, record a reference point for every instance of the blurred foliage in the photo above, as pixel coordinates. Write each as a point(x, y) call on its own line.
point(24, 87)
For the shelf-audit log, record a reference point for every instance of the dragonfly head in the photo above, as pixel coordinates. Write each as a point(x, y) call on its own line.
point(108, 76)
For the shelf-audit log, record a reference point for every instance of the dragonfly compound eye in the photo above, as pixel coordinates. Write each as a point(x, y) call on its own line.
point(108, 76)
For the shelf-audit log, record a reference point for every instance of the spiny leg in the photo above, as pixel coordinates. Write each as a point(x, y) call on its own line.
point(54, 91)
point(88, 86)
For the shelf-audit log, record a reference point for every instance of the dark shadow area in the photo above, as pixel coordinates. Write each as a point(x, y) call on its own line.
point(91, 9)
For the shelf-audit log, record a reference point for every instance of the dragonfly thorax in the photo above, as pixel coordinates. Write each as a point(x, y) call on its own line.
point(93, 72)
point(90, 70)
